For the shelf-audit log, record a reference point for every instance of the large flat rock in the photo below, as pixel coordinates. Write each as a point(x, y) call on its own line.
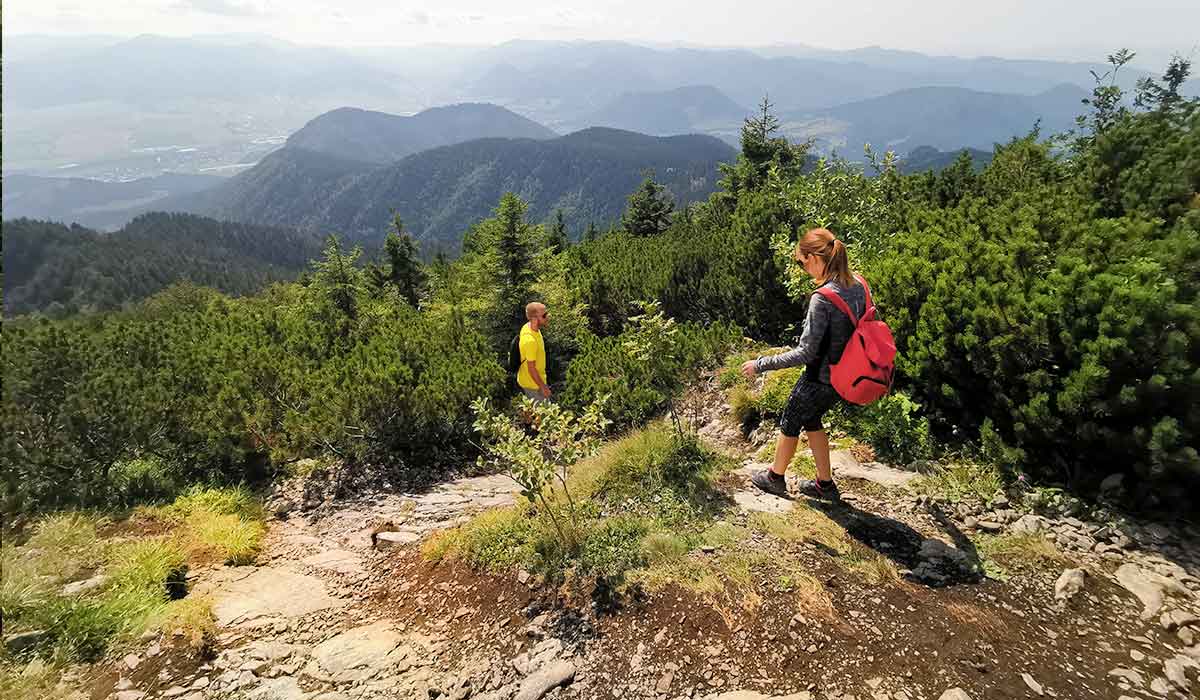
point(359, 653)
point(761, 502)
point(845, 466)
point(270, 592)
point(339, 560)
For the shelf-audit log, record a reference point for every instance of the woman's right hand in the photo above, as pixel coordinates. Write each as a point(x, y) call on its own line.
point(749, 368)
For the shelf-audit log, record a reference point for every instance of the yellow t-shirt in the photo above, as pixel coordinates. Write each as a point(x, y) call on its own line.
point(532, 349)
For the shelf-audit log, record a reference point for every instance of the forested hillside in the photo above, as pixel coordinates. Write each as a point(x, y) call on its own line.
point(924, 158)
point(61, 270)
point(1045, 309)
point(441, 192)
point(376, 137)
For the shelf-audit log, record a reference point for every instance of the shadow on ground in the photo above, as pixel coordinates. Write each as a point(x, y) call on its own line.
point(931, 561)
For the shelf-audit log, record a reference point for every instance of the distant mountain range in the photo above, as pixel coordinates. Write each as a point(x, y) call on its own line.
point(59, 270)
point(553, 80)
point(376, 137)
point(946, 118)
point(109, 108)
point(94, 203)
point(685, 110)
point(441, 192)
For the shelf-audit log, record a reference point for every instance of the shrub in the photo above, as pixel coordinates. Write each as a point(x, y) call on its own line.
point(612, 546)
point(892, 426)
point(642, 369)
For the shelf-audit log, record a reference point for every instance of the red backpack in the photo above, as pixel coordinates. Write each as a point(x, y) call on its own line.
point(864, 374)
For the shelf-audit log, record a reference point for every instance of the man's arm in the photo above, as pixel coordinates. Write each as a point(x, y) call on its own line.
point(537, 377)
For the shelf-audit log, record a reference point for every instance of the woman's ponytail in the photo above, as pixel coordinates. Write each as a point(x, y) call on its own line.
point(823, 244)
point(838, 266)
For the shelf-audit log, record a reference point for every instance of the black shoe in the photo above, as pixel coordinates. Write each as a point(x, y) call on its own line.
point(814, 489)
point(766, 480)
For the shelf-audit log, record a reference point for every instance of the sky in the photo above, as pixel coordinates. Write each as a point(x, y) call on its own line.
point(1011, 28)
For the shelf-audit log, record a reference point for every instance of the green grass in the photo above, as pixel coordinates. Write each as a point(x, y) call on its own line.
point(228, 538)
point(65, 532)
point(959, 482)
point(142, 576)
point(647, 497)
point(224, 524)
point(1017, 552)
point(805, 524)
point(191, 618)
point(37, 678)
point(221, 501)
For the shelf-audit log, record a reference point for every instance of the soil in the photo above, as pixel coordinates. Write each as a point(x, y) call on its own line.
point(908, 639)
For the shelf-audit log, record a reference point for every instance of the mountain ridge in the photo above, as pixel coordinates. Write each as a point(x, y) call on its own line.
point(380, 137)
point(442, 191)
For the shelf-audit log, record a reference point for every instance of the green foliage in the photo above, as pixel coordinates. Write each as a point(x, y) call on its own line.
point(613, 546)
point(559, 440)
point(650, 209)
point(645, 499)
point(960, 481)
point(892, 426)
point(642, 369)
point(140, 573)
point(403, 275)
point(212, 386)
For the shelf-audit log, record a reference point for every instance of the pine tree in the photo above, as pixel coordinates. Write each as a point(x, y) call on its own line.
point(404, 273)
point(762, 148)
point(650, 209)
point(591, 233)
point(338, 279)
point(513, 261)
point(558, 233)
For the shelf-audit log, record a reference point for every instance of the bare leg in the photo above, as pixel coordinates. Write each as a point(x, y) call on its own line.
point(785, 449)
point(819, 442)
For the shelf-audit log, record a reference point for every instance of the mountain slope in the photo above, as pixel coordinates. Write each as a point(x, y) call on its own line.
point(946, 118)
point(923, 158)
point(441, 192)
point(683, 110)
point(59, 269)
point(94, 203)
point(378, 137)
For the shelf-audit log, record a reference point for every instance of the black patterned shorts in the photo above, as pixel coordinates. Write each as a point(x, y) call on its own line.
point(806, 406)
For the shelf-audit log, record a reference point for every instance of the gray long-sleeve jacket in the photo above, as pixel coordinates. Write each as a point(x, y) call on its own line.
point(826, 330)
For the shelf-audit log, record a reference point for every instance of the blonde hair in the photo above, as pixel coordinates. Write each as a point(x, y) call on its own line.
point(533, 308)
point(822, 243)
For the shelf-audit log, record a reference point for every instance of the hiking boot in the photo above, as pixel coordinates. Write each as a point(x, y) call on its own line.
point(814, 489)
point(768, 481)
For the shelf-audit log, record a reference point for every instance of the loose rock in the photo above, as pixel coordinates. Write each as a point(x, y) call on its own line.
point(548, 678)
point(1069, 583)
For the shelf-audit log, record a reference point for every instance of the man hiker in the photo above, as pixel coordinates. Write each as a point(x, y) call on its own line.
point(531, 376)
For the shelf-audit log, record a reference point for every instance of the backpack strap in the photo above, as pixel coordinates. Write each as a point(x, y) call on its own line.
point(866, 288)
point(837, 300)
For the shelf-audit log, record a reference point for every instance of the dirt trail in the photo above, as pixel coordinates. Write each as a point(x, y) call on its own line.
point(330, 614)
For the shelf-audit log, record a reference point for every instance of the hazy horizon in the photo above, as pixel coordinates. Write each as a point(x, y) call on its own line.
point(1015, 29)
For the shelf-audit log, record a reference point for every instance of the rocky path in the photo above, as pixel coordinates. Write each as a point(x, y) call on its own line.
point(341, 607)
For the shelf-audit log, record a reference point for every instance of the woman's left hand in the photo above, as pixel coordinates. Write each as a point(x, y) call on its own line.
point(749, 368)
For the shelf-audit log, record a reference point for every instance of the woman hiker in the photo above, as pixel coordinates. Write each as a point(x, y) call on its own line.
point(826, 330)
